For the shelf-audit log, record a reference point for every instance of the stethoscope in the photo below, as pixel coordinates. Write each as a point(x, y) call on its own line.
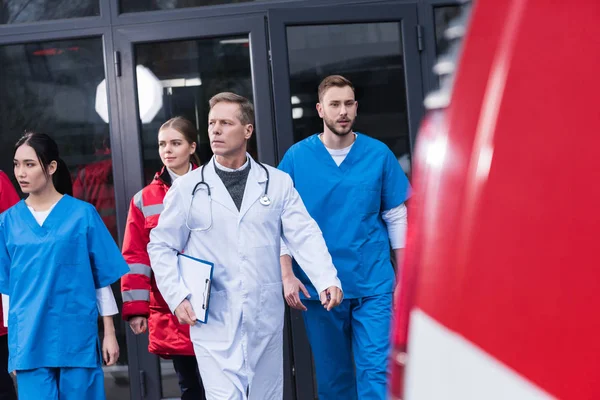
point(264, 199)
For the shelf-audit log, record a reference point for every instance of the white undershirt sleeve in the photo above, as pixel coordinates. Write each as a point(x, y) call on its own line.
point(5, 303)
point(105, 300)
point(396, 220)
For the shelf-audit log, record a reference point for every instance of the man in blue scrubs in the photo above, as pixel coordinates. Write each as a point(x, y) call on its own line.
point(353, 186)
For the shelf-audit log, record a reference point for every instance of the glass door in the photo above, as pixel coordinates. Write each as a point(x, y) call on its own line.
point(166, 72)
point(377, 48)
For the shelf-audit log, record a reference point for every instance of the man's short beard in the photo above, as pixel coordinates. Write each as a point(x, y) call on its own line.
point(332, 129)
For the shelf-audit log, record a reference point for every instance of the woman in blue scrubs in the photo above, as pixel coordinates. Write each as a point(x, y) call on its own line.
point(51, 272)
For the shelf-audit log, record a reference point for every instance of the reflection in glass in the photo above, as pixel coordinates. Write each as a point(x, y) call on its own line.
point(20, 11)
point(443, 16)
point(149, 93)
point(190, 72)
point(127, 6)
point(51, 87)
point(371, 56)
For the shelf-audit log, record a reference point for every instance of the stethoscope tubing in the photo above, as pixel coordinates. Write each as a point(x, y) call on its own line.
point(203, 182)
point(264, 199)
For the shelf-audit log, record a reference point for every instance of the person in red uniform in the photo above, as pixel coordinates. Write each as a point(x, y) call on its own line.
point(8, 198)
point(94, 183)
point(143, 306)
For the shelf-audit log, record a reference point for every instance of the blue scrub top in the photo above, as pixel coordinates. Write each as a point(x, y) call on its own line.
point(347, 202)
point(51, 273)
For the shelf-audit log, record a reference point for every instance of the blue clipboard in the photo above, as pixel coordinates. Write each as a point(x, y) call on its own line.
point(197, 276)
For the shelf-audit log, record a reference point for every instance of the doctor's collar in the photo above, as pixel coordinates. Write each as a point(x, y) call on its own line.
point(223, 168)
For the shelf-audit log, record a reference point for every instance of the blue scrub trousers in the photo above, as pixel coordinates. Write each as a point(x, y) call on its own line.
point(354, 334)
point(61, 384)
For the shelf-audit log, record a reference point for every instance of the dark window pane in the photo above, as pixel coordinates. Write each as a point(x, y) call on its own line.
point(443, 16)
point(188, 73)
point(128, 6)
point(20, 11)
point(371, 56)
point(56, 88)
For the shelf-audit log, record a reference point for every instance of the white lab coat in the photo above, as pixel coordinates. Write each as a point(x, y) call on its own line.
point(241, 346)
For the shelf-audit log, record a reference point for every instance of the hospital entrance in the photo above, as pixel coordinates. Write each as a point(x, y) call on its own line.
point(101, 76)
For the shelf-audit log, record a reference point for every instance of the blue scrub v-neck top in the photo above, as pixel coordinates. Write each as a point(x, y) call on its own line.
point(347, 201)
point(51, 273)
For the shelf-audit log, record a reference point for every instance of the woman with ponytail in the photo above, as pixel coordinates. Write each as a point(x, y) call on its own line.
point(143, 305)
point(57, 260)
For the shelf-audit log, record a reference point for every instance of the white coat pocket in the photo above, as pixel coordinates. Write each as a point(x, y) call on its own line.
point(218, 327)
point(271, 310)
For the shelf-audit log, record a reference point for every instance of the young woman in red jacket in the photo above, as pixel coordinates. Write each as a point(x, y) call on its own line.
point(8, 198)
point(143, 306)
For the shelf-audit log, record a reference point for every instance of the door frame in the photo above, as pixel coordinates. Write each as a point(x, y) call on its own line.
point(279, 20)
point(144, 368)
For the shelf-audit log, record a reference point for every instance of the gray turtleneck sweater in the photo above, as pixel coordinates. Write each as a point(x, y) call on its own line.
point(234, 180)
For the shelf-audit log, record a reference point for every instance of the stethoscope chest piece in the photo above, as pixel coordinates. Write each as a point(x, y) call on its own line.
point(265, 200)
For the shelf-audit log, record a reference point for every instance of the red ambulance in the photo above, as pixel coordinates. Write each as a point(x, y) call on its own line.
point(499, 297)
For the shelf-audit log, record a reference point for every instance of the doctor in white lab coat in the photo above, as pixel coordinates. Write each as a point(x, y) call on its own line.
point(240, 349)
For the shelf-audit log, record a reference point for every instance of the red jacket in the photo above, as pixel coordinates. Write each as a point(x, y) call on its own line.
point(8, 198)
point(140, 293)
point(94, 184)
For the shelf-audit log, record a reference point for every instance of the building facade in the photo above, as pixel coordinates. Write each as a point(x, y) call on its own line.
point(101, 76)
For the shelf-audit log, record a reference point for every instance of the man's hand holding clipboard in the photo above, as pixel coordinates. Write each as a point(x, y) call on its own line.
point(197, 277)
